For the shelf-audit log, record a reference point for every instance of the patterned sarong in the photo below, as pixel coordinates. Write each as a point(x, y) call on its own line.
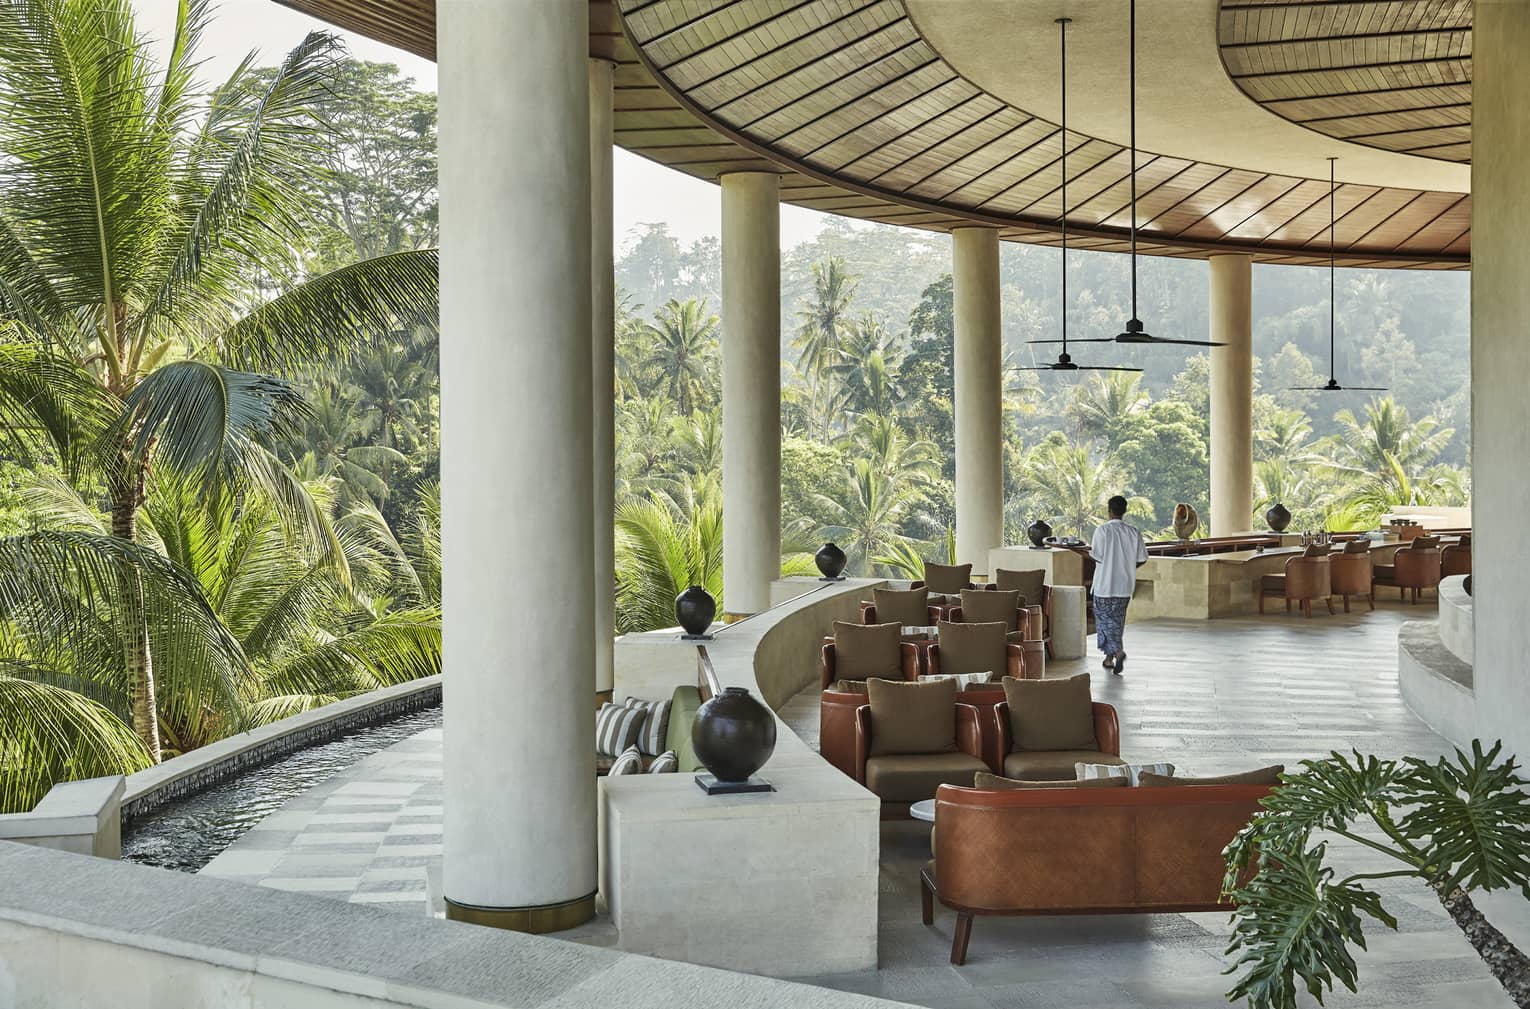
point(1110, 623)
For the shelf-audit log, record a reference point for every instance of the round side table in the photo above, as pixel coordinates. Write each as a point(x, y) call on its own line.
point(923, 810)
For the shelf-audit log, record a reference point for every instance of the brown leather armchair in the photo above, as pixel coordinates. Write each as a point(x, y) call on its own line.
point(1306, 579)
point(902, 779)
point(1414, 568)
point(900, 605)
point(1107, 737)
point(1456, 559)
point(946, 582)
point(1034, 589)
point(836, 708)
point(1349, 574)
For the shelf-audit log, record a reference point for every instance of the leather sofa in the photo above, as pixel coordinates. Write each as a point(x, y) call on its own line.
point(683, 705)
point(1044, 851)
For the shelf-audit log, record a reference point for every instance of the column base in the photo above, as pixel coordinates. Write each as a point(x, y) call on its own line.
point(535, 920)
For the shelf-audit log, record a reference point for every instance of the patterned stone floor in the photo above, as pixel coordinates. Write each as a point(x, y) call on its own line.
point(1210, 697)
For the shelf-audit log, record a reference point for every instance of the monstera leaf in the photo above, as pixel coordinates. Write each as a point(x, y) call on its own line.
point(1472, 818)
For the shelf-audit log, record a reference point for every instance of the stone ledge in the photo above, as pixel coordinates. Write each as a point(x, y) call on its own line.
point(1435, 685)
point(78, 816)
point(1456, 623)
point(228, 758)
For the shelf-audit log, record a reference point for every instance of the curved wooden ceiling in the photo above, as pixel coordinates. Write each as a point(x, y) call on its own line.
point(861, 117)
point(1384, 73)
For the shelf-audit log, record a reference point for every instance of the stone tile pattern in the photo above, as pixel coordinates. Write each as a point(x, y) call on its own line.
point(1209, 696)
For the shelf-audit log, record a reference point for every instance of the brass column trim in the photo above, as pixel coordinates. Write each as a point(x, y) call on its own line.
point(536, 920)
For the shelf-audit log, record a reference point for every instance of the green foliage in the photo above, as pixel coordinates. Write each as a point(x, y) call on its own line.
point(1459, 825)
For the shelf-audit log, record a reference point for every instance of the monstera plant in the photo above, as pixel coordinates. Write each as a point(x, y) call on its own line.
point(1459, 825)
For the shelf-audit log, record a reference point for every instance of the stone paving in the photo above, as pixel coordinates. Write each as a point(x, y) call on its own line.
point(1211, 697)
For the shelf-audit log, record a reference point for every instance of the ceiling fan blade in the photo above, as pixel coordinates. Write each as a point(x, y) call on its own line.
point(1106, 367)
point(1167, 341)
point(1092, 339)
point(1365, 388)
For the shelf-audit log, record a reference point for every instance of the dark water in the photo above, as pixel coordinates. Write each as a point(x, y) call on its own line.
point(188, 833)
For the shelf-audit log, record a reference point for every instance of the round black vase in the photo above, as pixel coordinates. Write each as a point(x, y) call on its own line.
point(831, 561)
point(1278, 517)
point(1038, 532)
point(694, 610)
point(734, 734)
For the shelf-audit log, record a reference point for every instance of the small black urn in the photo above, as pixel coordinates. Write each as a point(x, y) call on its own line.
point(694, 610)
point(734, 734)
point(1038, 533)
point(831, 561)
point(1278, 517)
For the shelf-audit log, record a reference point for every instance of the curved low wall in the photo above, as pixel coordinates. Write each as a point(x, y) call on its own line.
point(228, 758)
point(781, 883)
point(1434, 665)
point(1456, 617)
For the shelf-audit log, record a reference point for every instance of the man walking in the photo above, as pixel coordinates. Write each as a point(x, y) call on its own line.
point(1118, 551)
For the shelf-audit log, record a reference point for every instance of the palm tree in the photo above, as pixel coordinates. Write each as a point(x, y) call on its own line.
point(131, 219)
point(1098, 406)
point(661, 550)
point(1387, 457)
point(333, 445)
point(887, 477)
point(1071, 487)
point(821, 333)
point(868, 366)
point(1283, 436)
point(683, 351)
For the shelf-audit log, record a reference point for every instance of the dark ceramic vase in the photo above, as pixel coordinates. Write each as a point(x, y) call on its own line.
point(831, 561)
point(1278, 517)
point(1467, 584)
point(734, 734)
point(1038, 532)
point(694, 610)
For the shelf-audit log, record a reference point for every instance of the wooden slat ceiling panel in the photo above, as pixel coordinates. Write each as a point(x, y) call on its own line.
point(1363, 71)
point(859, 115)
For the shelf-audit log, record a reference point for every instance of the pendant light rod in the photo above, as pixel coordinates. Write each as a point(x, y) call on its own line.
point(1132, 105)
point(1333, 366)
point(1062, 39)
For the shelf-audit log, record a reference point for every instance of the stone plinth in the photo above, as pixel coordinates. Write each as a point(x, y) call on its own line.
point(1456, 624)
point(1070, 622)
point(1063, 566)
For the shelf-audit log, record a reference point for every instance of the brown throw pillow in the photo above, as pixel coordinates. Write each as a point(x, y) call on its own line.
point(973, 648)
point(1316, 550)
point(981, 606)
point(947, 579)
point(1050, 714)
point(1425, 543)
point(912, 717)
point(1000, 783)
point(862, 651)
point(1360, 546)
point(904, 607)
point(1027, 583)
point(1261, 776)
point(848, 686)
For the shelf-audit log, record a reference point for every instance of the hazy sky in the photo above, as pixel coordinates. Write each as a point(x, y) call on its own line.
point(644, 191)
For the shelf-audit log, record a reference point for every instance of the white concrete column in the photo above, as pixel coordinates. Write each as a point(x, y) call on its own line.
point(603, 358)
point(516, 464)
point(751, 389)
point(979, 408)
point(1500, 362)
point(1232, 395)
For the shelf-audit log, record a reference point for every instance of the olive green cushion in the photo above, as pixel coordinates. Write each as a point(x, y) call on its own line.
point(683, 705)
point(983, 606)
point(1259, 776)
point(911, 717)
point(1050, 714)
point(1027, 583)
point(849, 686)
point(862, 651)
point(973, 648)
point(904, 607)
point(999, 782)
point(915, 777)
point(1053, 765)
point(947, 579)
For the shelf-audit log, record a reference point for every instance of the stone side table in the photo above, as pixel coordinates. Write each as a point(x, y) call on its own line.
point(1069, 621)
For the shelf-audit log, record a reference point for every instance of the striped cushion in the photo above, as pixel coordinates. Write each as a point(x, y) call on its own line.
point(630, 762)
point(963, 680)
point(655, 724)
point(665, 763)
point(1131, 772)
point(616, 728)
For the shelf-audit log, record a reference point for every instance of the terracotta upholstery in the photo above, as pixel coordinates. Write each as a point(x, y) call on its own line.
point(1349, 574)
point(904, 607)
point(1040, 765)
point(987, 780)
point(1259, 776)
point(906, 776)
point(1413, 569)
point(981, 606)
point(1081, 850)
point(1306, 579)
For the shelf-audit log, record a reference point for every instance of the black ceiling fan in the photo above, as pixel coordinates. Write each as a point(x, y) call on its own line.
point(1134, 333)
point(1332, 385)
point(1065, 361)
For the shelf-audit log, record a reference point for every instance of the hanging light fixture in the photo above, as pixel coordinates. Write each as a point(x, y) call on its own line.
point(1064, 361)
point(1333, 383)
point(1134, 333)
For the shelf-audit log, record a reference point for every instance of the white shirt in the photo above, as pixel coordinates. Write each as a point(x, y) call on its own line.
point(1117, 549)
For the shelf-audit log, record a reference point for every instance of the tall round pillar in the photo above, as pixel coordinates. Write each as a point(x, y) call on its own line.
point(978, 362)
point(517, 469)
point(603, 373)
point(1500, 362)
point(751, 389)
point(1232, 395)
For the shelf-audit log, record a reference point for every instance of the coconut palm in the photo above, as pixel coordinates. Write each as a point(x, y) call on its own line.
point(868, 370)
point(1099, 405)
point(1070, 486)
point(132, 214)
point(1283, 436)
point(1387, 458)
point(662, 549)
point(682, 352)
point(823, 322)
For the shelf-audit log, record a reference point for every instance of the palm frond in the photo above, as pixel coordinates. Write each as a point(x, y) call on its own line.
point(48, 399)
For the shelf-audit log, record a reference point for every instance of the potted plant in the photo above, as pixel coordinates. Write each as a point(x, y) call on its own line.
point(1459, 825)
